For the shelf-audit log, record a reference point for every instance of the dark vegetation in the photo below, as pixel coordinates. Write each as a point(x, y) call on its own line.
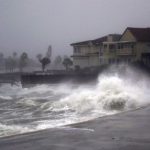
point(23, 63)
point(12, 67)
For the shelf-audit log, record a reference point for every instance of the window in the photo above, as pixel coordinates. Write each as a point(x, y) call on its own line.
point(77, 50)
point(132, 45)
point(74, 50)
point(112, 46)
point(120, 46)
point(105, 46)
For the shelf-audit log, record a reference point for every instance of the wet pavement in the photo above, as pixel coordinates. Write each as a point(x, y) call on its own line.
point(124, 131)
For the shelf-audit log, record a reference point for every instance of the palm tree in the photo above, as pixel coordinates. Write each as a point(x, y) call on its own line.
point(67, 62)
point(44, 61)
point(23, 60)
point(14, 61)
point(2, 60)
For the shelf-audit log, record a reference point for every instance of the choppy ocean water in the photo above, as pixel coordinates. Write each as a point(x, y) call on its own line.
point(24, 110)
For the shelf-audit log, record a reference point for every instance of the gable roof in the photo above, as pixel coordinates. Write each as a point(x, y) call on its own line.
point(141, 34)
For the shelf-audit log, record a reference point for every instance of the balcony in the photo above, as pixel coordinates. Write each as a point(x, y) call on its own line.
point(125, 51)
point(79, 55)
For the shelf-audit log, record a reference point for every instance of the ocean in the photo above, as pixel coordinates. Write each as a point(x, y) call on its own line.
point(40, 107)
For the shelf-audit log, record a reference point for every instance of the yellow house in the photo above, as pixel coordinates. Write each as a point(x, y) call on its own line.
point(133, 45)
point(137, 43)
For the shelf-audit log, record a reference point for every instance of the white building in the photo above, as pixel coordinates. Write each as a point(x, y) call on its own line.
point(89, 53)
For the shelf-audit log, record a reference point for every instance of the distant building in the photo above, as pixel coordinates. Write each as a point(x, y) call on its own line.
point(133, 45)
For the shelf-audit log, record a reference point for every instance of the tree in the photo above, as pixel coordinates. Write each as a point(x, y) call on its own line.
point(44, 61)
point(2, 60)
point(23, 61)
point(67, 62)
point(14, 60)
point(11, 62)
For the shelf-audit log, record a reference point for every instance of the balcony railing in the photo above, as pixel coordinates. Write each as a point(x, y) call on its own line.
point(125, 51)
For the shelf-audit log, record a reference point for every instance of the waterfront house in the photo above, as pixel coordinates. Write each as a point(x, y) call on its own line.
point(136, 44)
point(132, 46)
point(86, 53)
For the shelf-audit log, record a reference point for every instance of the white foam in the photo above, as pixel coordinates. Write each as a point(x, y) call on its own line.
point(5, 97)
point(111, 93)
point(7, 130)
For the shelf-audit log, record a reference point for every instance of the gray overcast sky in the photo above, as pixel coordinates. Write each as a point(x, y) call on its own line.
point(32, 25)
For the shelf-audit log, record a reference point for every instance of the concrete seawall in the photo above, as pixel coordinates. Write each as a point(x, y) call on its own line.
point(125, 131)
point(10, 76)
point(27, 79)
